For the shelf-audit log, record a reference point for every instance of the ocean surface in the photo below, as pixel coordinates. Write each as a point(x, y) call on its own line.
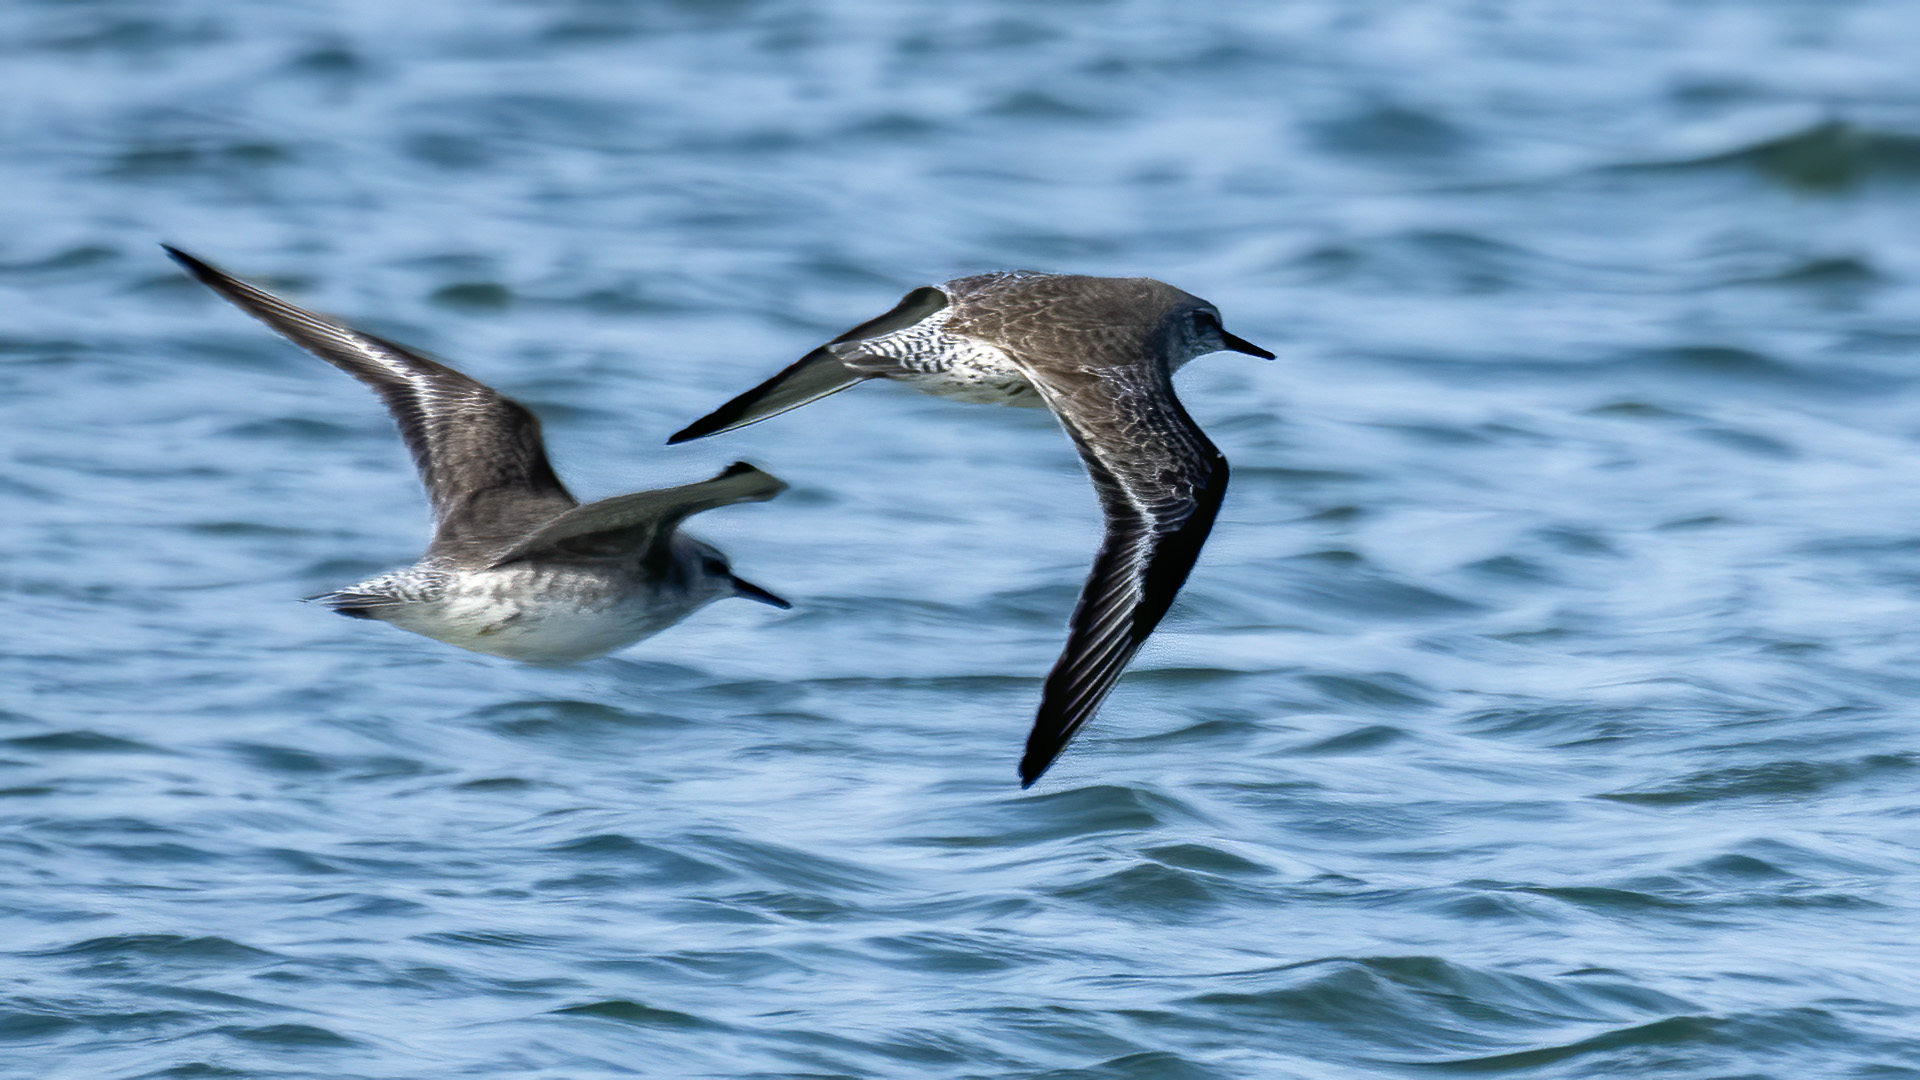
point(1545, 705)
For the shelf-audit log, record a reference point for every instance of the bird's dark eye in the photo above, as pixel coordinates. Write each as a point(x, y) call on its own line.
point(713, 565)
point(1206, 320)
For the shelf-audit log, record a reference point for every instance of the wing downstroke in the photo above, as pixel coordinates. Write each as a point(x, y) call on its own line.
point(1160, 483)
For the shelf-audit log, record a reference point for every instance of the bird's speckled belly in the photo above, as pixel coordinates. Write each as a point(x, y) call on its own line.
point(981, 374)
point(980, 388)
point(944, 365)
point(537, 618)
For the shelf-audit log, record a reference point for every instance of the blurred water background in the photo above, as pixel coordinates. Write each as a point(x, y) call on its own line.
point(1543, 706)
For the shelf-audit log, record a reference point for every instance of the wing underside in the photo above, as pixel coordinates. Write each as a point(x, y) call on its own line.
point(1160, 484)
point(814, 375)
point(480, 454)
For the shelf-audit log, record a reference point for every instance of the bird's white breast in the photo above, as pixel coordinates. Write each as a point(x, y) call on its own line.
point(544, 616)
point(986, 383)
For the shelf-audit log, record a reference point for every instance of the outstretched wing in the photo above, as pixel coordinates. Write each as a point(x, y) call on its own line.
point(480, 454)
point(1160, 483)
point(814, 375)
point(642, 521)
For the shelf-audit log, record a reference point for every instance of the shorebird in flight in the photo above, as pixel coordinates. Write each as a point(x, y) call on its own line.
point(1100, 352)
point(517, 567)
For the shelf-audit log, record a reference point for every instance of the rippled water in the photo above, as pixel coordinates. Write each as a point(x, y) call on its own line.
point(1543, 705)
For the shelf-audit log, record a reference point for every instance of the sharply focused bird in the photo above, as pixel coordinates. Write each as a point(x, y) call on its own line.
point(1100, 352)
point(517, 567)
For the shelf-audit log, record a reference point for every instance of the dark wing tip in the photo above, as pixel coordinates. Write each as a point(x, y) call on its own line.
point(713, 423)
point(1044, 746)
point(735, 413)
point(193, 266)
point(1030, 771)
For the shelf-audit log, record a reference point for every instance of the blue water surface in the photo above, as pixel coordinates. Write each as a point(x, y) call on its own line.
point(1544, 705)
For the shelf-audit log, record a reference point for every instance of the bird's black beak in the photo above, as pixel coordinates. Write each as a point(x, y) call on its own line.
point(747, 590)
point(1243, 345)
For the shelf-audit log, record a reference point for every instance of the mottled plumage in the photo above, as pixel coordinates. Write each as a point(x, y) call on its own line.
point(1100, 352)
point(517, 567)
